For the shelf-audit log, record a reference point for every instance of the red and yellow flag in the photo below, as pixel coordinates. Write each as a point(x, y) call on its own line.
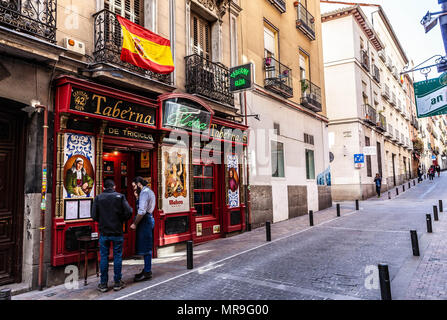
point(144, 48)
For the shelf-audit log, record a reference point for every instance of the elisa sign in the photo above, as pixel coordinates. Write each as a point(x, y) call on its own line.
point(241, 78)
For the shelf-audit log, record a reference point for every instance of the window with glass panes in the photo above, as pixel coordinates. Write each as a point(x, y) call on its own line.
point(204, 189)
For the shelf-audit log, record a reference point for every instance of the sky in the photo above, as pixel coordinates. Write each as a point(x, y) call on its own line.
point(405, 17)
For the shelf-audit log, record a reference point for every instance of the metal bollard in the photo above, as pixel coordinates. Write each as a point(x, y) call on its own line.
point(429, 227)
point(384, 278)
point(409, 185)
point(435, 213)
point(5, 294)
point(338, 209)
point(403, 188)
point(440, 206)
point(268, 233)
point(397, 191)
point(389, 195)
point(414, 242)
point(189, 255)
point(311, 218)
point(414, 183)
point(356, 204)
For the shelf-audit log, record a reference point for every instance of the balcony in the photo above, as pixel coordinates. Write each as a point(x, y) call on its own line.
point(382, 55)
point(37, 18)
point(278, 78)
point(381, 123)
point(369, 114)
point(279, 4)
point(376, 73)
point(305, 21)
point(393, 99)
point(402, 139)
point(389, 64)
point(209, 79)
point(389, 132)
point(386, 92)
point(398, 104)
point(364, 59)
point(396, 135)
point(108, 43)
point(310, 95)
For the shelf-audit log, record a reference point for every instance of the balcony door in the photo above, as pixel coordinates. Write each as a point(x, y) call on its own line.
point(130, 9)
point(200, 36)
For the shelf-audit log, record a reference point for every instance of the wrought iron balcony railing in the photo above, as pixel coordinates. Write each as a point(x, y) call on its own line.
point(279, 4)
point(389, 131)
point(396, 135)
point(382, 55)
point(386, 92)
point(376, 73)
point(364, 59)
point(393, 99)
point(305, 21)
point(310, 95)
point(208, 79)
point(369, 114)
point(381, 123)
point(108, 43)
point(278, 77)
point(34, 17)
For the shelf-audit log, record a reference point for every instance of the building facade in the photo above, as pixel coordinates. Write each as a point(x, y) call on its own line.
point(288, 153)
point(184, 131)
point(366, 102)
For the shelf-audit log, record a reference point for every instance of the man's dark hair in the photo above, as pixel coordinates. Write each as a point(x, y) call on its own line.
point(140, 180)
point(109, 183)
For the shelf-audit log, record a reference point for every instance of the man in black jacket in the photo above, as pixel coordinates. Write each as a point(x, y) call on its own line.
point(111, 209)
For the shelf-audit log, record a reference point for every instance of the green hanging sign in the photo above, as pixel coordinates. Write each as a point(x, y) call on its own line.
point(431, 96)
point(241, 78)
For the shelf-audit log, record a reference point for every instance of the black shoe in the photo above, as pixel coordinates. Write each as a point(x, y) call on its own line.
point(119, 285)
point(143, 276)
point(139, 274)
point(103, 287)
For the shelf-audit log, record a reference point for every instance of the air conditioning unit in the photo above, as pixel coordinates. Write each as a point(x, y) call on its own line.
point(74, 46)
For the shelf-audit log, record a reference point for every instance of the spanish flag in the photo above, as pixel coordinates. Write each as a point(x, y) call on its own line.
point(144, 48)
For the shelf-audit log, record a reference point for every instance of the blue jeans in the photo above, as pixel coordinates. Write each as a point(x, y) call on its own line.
point(104, 247)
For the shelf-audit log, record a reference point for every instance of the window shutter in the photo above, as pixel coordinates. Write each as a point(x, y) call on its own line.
point(201, 37)
point(129, 9)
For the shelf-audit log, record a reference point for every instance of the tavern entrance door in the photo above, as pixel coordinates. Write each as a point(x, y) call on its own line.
point(11, 196)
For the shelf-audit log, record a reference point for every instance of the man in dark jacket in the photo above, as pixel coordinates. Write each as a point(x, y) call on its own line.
point(111, 209)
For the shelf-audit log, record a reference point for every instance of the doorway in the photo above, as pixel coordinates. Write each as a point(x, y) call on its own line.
point(12, 153)
point(122, 167)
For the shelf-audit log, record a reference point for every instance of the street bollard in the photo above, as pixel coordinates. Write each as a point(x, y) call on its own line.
point(268, 233)
point(429, 227)
point(397, 191)
point(403, 188)
point(356, 204)
point(389, 195)
point(5, 294)
point(384, 278)
point(414, 242)
point(414, 183)
point(440, 206)
point(409, 185)
point(311, 218)
point(338, 209)
point(435, 213)
point(189, 255)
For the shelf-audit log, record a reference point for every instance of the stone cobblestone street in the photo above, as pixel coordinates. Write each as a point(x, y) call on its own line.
point(327, 261)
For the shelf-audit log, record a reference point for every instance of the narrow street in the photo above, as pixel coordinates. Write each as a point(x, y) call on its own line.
point(330, 260)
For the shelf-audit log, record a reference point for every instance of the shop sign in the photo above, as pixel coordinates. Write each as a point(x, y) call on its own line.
point(185, 117)
point(431, 96)
point(221, 132)
point(105, 106)
point(129, 134)
point(241, 78)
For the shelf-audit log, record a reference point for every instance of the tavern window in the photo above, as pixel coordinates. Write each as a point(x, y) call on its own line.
point(201, 36)
point(129, 9)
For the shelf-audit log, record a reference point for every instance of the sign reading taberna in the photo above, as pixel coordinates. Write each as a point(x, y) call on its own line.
point(186, 117)
point(241, 77)
point(431, 96)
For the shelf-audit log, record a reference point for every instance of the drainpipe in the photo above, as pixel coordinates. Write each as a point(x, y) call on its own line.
point(248, 205)
point(43, 194)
